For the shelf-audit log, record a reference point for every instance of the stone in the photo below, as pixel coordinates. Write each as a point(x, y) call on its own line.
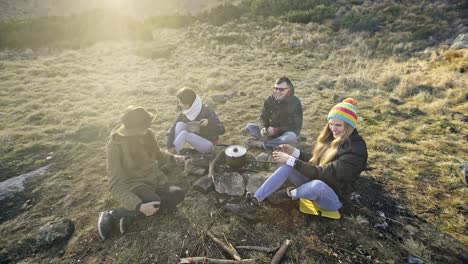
point(255, 181)
point(396, 101)
point(13, 185)
point(230, 183)
point(55, 232)
point(460, 42)
point(421, 88)
point(218, 98)
point(204, 185)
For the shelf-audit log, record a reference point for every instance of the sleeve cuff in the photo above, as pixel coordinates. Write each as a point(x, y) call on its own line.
point(290, 162)
point(296, 153)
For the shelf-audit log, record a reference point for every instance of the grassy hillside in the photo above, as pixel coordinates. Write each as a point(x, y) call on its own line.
point(59, 104)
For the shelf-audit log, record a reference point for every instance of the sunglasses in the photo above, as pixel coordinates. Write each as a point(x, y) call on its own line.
point(279, 89)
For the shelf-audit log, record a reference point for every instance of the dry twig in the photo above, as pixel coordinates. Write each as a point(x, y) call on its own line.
point(279, 254)
point(265, 249)
point(215, 261)
point(228, 248)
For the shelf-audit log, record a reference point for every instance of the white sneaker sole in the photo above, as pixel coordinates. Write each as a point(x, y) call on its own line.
point(99, 226)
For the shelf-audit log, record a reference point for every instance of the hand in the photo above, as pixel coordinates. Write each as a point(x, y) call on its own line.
point(204, 122)
point(171, 150)
point(280, 157)
point(149, 208)
point(271, 131)
point(286, 148)
point(263, 131)
point(180, 158)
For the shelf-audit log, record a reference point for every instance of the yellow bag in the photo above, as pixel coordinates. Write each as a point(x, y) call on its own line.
point(309, 207)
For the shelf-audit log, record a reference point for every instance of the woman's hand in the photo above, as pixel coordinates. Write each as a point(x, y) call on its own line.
point(149, 208)
point(280, 157)
point(204, 122)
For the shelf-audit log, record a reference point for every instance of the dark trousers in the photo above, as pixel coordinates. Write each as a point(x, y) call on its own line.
point(169, 196)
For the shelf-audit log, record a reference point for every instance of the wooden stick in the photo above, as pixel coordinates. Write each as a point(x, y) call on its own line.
point(215, 261)
point(211, 166)
point(229, 249)
point(265, 249)
point(279, 254)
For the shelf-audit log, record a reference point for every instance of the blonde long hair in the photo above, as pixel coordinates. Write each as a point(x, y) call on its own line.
point(327, 146)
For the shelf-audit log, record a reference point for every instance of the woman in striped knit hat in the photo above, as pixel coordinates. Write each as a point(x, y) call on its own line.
point(321, 177)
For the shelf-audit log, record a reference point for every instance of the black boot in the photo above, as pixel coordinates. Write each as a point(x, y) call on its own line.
point(125, 222)
point(106, 224)
point(246, 208)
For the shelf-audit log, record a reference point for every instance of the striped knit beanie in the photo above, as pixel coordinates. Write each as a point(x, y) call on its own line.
point(346, 111)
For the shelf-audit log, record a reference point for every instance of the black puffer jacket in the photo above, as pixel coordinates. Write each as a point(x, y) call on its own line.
point(285, 115)
point(211, 132)
point(343, 171)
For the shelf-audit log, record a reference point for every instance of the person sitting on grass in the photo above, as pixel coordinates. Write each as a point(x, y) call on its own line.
point(281, 118)
point(339, 156)
point(134, 174)
point(192, 109)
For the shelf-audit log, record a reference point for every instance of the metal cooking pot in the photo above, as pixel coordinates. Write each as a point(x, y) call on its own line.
point(236, 156)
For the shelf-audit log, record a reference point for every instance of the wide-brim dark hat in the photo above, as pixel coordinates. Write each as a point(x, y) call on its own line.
point(135, 121)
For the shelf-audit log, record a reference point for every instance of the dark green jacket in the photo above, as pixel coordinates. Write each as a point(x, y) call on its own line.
point(125, 172)
point(343, 171)
point(285, 115)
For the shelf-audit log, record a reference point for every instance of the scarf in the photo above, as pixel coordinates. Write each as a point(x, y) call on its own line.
point(194, 110)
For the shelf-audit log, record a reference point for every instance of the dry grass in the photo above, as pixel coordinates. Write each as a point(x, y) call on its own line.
point(66, 102)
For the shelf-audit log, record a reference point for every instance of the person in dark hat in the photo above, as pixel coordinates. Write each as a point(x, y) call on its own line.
point(281, 118)
point(133, 160)
point(193, 111)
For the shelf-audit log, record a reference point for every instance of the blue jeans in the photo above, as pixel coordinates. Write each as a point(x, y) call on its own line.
point(286, 138)
point(182, 136)
point(315, 190)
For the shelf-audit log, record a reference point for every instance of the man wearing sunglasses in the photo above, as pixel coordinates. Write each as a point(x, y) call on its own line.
point(281, 118)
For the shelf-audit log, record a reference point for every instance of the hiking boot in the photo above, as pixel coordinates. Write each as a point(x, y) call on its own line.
point(106, 224)
point(255, 143)
point(124, 224)
point(246, 208)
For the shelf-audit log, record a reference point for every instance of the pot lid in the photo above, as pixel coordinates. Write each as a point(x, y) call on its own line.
point(235, 151)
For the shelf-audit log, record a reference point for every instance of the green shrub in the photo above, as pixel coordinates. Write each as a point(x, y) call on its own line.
point(298, 16)
point(361, 22)
point(221, 14)
point(317, 14)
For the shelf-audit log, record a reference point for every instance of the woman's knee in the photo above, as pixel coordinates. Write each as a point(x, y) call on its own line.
point(316, 185)
point(180, 126)
point(182, 135)
point(289, 137)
